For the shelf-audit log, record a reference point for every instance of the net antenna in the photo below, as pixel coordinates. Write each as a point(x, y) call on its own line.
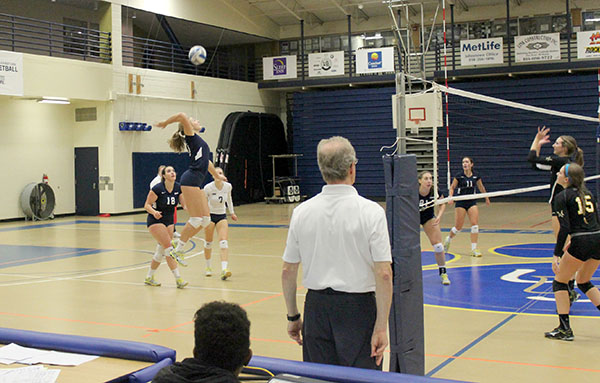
point(414, 108)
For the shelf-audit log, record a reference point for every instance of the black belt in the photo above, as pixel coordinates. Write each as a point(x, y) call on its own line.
point(330, 291)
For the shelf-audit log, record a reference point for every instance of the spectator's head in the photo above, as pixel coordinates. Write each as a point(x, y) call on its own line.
point(222, 336)
point(337, 160)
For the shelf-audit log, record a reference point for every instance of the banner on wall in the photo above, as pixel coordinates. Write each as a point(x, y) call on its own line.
point(279, 67)
point(375, 60)
point(537, 47)
point(481, 51)
point(326, 64)
point(11, 73)
point(588, 45)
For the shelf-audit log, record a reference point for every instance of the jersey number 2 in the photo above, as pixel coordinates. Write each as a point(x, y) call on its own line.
point(589, 206)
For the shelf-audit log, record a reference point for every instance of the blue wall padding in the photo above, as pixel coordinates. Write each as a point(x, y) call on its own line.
point(147, 374)
point(122, 349)
point(335, 373)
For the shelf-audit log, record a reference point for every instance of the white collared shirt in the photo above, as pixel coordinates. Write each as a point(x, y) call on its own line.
point(337, 236)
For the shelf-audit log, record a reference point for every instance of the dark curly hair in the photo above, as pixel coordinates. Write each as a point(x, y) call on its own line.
point(222, 335)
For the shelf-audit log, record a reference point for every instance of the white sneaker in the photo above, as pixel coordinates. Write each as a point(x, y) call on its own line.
point(176, 234)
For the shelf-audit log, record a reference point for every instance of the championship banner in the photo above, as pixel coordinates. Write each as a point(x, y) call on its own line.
point(326, 64)
point(481, 51)
point(11, 73)
point(279, 67)
point(537, 47)
point(375, 60)
point(588, 45)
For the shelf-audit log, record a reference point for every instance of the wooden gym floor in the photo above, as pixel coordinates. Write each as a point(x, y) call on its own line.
point(84, 276)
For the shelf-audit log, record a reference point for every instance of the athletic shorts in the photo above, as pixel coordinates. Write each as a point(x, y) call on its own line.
point(215, 218)
point(466, 204)
point(426, 215)
point(167, 221)
point(584, 247)
point(192, 178)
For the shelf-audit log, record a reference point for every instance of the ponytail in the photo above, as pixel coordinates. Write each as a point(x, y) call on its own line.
point(578, 156)
point(573, 151)
point(177, 141)
point(576, 178)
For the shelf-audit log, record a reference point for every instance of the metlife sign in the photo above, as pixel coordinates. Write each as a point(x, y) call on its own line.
point(481, 51)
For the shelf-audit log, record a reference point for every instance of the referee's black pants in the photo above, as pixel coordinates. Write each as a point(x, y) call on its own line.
point(338, 327)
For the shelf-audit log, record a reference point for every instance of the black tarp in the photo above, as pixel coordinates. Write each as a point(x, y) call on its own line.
point(245, 143)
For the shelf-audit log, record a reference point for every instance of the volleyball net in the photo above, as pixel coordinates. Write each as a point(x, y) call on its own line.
point(496, 133)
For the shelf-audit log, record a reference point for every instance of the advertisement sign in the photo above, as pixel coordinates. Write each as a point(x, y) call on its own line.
point(537, 47)
point(481, 51)
point(326, 64)
point(279, 67)
point(375, 60)
point(588, 45)
point(11, 73)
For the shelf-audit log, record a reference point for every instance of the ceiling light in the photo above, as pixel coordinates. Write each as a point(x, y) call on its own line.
point(592, 20)
point(54, 100)
point(376, 37)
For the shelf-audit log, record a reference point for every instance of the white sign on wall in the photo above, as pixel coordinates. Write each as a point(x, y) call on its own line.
point(481, 51)
point(588, 45)
point(11, 73)
point(375, 60)
point(326, 64)
point(279, 67)
point(537, 47)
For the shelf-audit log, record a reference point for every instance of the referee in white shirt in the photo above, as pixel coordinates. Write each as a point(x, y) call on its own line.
point(342, 241)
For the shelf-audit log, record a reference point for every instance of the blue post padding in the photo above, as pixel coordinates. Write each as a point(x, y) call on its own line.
point(113, 348)
point(147, 374)
point(335, 373)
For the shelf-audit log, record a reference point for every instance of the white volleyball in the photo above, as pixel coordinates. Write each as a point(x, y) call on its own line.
point(197, 54)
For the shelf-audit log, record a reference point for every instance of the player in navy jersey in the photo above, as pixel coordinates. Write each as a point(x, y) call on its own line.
point(160, 204)
point(431, 223)
point(577, 214)
point(186, 137)
point(565, 150)
point(464, 184)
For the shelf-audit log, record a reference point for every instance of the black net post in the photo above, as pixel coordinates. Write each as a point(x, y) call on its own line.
point(407, 349)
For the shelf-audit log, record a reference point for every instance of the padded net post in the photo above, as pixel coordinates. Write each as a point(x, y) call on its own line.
point(407, 350)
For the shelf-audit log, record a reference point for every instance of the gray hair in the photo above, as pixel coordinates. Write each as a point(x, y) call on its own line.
point(335, 155)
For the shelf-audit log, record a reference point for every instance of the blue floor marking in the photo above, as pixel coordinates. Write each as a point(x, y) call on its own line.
point(470, 345)
point(14, 255)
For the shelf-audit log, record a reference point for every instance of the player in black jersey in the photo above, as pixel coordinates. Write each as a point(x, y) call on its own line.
point(431, 223)
point(464, 184)
point(186, 137)
point(160, 204)
point(577, 213)
point(565, 150)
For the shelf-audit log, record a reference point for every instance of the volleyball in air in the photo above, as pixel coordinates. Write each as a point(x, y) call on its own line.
point(197, 54)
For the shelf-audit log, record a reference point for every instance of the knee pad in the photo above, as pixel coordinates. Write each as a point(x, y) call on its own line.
point(559, 286)
point(438, 248)
point(208, 245)
point(158, 257)
point(196, 222)
point(474, 229)
point(454, 230)
point(223, 244)
point(585, 287)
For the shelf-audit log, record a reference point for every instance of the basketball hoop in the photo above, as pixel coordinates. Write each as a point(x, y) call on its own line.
point(417, 114)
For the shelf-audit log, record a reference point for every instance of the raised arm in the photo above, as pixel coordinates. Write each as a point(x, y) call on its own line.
point(213, 172)
point(181, 118)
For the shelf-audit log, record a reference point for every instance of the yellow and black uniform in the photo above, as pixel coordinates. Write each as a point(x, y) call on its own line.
point(553, 163)
point(578, 216)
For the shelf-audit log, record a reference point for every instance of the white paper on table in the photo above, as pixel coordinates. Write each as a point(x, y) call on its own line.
point(61, 358)
point(31, 374)
point(18, 353)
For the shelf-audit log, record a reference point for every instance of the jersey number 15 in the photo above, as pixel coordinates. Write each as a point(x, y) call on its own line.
point(589, 206)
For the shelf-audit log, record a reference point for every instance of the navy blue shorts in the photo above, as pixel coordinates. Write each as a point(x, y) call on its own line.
point(585, 247)
point(466, 204)
point(167, 221)
point(215, 218)
point(192, 178)
point(426, 215)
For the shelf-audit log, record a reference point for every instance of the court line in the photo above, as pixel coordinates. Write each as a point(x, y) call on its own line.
point(541, 223)
point(513, 362)
point(24, 260)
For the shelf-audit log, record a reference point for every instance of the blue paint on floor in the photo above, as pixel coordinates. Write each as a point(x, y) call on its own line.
point(530, 250)
point(14, 255)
